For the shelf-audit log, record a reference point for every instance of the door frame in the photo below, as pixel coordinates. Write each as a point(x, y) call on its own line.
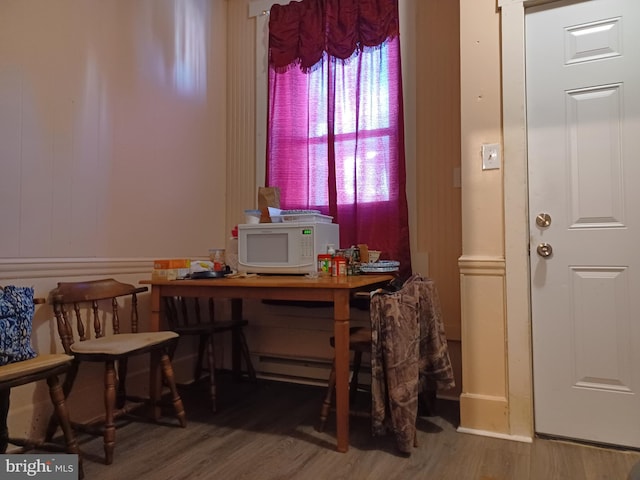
point(516, 215)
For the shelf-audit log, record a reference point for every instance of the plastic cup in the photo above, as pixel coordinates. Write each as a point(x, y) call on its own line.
point(216, 255)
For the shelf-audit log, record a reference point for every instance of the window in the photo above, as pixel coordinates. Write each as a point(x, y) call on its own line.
point(360, 129)
point(335, 139)
point(364, 165)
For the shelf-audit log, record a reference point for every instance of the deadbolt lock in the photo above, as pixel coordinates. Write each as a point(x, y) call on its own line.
point(544, 250)
point(543, 220)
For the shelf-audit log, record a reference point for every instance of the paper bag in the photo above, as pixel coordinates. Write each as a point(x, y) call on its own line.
point(267, 197)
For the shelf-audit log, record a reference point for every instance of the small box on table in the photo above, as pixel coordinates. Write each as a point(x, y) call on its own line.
point(170, 269)
point(171, 263)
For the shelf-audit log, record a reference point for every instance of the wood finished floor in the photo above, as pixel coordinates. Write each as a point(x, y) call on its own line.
point(265, 430)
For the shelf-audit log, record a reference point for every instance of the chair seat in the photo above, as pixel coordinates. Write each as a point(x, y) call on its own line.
point(41, 363)
point(359, 339)
point(121, 344)
point(359, 343)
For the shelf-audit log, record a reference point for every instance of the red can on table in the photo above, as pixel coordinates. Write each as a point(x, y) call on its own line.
point(338, 266)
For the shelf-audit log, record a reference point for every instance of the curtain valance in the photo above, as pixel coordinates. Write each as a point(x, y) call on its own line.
point(300, 32)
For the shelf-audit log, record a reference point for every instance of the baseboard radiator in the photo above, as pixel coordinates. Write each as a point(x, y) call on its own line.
point(314, 371)
point(308, 371)
point(311, 371)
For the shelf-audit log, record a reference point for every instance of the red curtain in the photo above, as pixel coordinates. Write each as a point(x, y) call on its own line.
point(301, 32)
point(335, 139)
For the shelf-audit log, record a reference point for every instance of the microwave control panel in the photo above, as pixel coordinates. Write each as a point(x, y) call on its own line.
point(307, 249)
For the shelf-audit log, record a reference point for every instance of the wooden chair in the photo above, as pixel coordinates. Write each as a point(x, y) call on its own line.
point(185, 317)
point(359, 344)
point(93, 305)
point(42, 367)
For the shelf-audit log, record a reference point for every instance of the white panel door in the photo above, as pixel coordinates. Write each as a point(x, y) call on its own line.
point(583, 108)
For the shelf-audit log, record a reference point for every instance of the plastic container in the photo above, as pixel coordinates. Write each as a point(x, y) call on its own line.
point(252, 216)
point(308, 217)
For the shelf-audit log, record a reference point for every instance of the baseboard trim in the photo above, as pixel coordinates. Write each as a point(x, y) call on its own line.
point(503, 436)
point(70, 267)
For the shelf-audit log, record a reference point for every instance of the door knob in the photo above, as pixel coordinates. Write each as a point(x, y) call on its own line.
point(544, 250)
point(543, 220)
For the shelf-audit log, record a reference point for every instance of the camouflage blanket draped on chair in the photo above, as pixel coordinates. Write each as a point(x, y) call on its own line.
point(409, 355)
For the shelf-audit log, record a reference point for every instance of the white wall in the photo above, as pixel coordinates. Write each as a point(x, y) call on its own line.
point(112, 150)
point(99, 99)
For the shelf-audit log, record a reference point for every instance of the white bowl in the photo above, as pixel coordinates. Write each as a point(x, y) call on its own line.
point(252, 216)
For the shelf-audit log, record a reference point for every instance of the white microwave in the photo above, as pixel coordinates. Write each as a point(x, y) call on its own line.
point(284, 248)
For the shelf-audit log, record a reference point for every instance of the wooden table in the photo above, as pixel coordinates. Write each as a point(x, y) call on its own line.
point(337, 290)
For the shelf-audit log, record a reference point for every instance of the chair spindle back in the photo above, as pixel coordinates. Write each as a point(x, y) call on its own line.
point(179, 312)
point(85, 300)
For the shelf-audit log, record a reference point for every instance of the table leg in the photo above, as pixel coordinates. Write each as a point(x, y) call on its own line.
point(154, 325)
point(341, 333)
point(236, 315)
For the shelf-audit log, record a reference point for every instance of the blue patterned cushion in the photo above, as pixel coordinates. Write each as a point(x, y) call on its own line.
point(16, 317)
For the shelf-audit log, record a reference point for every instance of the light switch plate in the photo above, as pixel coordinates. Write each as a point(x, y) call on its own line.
point(490, 156)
